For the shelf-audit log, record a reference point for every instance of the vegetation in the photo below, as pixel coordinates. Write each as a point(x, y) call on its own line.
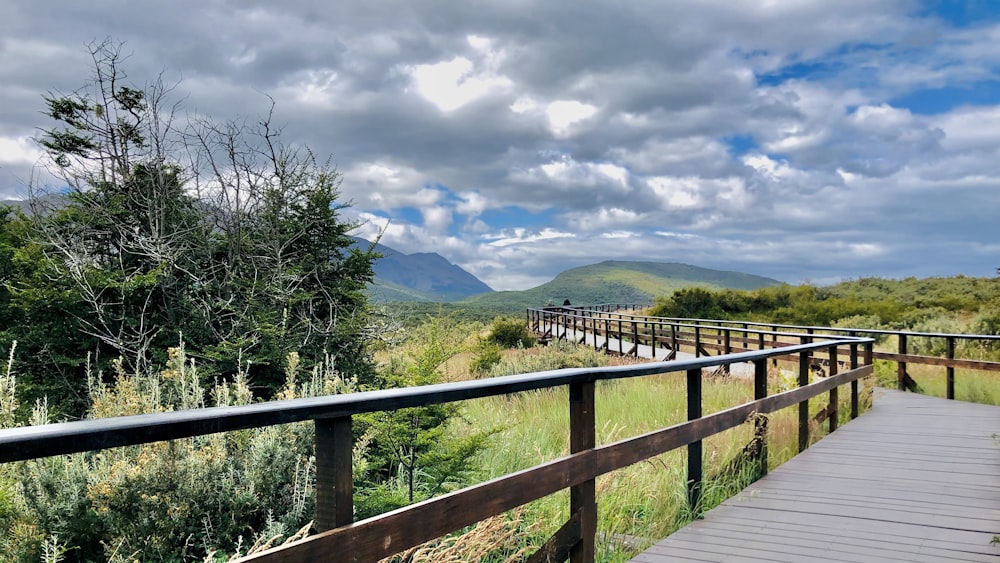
point(184, 500)
point(213, 233)
point(960, 302)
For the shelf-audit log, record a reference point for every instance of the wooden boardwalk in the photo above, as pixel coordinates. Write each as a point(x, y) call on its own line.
point(916, 478)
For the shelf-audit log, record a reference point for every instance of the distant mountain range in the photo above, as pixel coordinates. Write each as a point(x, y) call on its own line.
point(619, 282)
point(429, 277)
point(422, 276)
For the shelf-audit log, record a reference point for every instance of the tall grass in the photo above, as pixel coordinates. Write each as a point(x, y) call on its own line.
point(640, 504)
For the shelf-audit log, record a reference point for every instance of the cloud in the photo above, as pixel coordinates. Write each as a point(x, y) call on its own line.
point(793, 139)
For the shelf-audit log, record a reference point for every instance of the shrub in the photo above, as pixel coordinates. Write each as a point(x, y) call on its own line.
point(183, 500)
point(507, 332)
point(558, 355)
point(487, 356)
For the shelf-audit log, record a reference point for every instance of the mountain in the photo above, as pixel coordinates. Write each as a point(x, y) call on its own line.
point(422, 276)
point(620, 282)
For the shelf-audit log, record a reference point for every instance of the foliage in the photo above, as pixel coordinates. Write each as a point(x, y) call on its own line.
point(214, 232)
point(559, 354)
point(487, 356)
point(865, 303)
point(169, 501)
point(409, 454)
point(510, 333)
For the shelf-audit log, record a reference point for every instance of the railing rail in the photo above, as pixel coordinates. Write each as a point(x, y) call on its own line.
point(387, 534)
point(698, 333)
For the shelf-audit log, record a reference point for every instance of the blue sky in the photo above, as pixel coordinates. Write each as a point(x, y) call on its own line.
point(802, 140)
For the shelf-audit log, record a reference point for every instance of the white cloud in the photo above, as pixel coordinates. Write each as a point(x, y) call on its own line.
point(676, 193)
point(472, 203)
point(567, 172)
point(459, 81)
point(19, 150)
point(522, 236)
point(620, 235)
point(564, 114)
point(784, 121)
point(603, 219)
point(384, 185)
point(970, 128)
point(437, 218)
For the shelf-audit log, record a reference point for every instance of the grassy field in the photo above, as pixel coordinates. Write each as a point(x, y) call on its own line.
point(642, 503)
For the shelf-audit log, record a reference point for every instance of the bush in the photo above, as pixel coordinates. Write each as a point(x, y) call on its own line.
point(489, 355)
point(558, 355)
point(184, 500)
point(510, 333)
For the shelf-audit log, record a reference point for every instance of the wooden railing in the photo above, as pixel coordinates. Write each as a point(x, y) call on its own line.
point(703, 336)
point(382, 536)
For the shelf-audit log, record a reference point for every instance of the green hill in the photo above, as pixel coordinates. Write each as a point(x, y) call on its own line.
point(618, 282)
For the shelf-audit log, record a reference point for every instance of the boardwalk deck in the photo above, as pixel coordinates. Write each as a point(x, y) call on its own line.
point(916, 478)
point(646, 351)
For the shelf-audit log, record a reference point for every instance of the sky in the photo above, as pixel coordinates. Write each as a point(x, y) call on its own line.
point(808, 141)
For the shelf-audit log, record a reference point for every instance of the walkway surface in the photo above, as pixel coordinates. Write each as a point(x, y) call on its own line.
point(916, 478)
point(744, 369)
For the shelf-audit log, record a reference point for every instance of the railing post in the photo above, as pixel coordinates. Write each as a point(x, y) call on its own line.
point(804, 405)
point(727, 347)
point(582, 436)
point(901, 365)
point(833, 409)
point(697, 340)
point(854, 384)
point(694, 450)
point(635, 336)
point(621, 338)
point(760, 424)
point(673, 339)
point(950, 373)
point(334, 473)
point(774, 344)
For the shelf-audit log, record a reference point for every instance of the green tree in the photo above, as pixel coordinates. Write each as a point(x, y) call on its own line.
point(218, 232)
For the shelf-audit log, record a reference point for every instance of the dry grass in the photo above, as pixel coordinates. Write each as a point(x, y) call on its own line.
point(501, 539)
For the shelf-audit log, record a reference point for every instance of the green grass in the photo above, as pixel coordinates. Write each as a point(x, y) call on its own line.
point(647, 501)
point(973, 386)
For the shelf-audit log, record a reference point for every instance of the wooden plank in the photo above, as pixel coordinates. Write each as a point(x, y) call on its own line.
point(334, 473)
point(583, 496)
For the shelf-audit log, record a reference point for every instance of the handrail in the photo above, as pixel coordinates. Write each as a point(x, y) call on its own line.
point(829, 329)
point(725, 328)
point(31, 442)
point(384, 535)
